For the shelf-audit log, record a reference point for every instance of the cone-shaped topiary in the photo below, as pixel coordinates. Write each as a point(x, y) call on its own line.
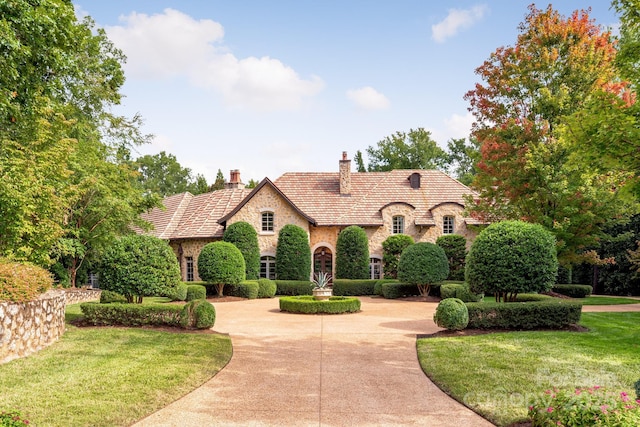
point(452, 314)
point(352, 254)
point(423, 264)
point(244, 236)
point(293, 255)
point(221, 263)
point(512, 257)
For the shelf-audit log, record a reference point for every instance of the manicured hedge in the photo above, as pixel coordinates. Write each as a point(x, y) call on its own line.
point(351, 287)
point(247, 289)
point(131, 314)
point(178, 292)
point(377, 287)
point(548, 314)
point(21, 282)
point(460, 291)
point(293, 287)
point(398, 290)
point(195, 292)
point(573, 291)
point(107, 297)
point(451, 314)
point(306, 304)
point(266, 288)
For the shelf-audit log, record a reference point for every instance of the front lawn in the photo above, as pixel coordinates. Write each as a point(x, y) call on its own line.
point(109, 376)
point(498, 374)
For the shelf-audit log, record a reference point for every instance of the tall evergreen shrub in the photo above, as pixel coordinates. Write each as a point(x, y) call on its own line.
point(244, 237)
point(455, 248)
point(352, 254)
point(392, 248)
point(293, 255)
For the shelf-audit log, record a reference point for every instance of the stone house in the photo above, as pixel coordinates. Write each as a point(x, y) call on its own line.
point(424, 204)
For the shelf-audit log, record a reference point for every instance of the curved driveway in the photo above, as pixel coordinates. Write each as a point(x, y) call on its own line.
point(332, 370)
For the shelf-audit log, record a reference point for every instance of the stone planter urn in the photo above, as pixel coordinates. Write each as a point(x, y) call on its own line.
point(322, 293)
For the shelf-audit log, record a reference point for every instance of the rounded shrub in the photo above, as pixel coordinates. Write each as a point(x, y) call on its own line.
point(352, 254)
point(266, 288)
point(178, 292)
point(392, 248)
point(423, 264)
point(247, 289)
point(22, 282)
point(293, 255)
point(455, 248)
point(512, 257)
point(451, 314)
point(138, 266)
point(195, 292)
point(244, 237)
point(221, 263)
point(107, 297)
point(199, 314)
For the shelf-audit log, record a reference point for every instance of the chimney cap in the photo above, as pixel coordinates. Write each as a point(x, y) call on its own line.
point(344, 155)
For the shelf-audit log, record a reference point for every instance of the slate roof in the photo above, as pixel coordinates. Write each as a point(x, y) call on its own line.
point(316, 196)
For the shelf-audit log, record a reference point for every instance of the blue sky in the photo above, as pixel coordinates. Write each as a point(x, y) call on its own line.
point(268, 87)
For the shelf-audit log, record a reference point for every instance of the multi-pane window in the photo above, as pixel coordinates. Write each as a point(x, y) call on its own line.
point(268, 267)
point(189, 268)
point(375, 268)
point(267, 221)
point(397, 226)
point(447, 225)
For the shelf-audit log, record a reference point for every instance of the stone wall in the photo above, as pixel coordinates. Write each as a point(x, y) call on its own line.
point(74, 296)
point(28, 327)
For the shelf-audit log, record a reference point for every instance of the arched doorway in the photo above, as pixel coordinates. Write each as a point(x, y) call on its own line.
point(322, 261)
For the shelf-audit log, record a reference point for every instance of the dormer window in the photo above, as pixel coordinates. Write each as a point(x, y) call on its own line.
point(397, 226)
point(448, 223)
point(267, 222)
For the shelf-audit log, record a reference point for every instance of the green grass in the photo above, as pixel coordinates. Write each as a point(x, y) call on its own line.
point(600, 300)
point(498, 375)
point(109, 376)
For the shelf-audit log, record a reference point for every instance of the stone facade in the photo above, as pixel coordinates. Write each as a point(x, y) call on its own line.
point(189, 248)
point(268, 200)
point(26, 328)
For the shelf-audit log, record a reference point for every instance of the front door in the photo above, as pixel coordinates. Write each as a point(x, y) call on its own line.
point(322, 261)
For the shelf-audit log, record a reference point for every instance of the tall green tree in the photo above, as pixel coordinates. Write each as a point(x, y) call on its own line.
point(463, 158)
point(244, 237)
point(293, 255)
point(528, 91)
point(406, 150)
point(162, 174)
point(218, 183)
point(352, 254)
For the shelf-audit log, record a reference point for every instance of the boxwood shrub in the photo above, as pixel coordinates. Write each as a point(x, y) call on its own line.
point(548, 314)
point(178, 292)
point(460, 291)
point(293, 287)
point(195, 292)
point(351, 287)
point(377, 287)
point(247, 289)
point(398, 290)
point(21, 282)
point(451, 314)
point(107, 297)
point(573, 291)
point(199, 314)
point(131, 314)
point(306, 304)
point(266, 288)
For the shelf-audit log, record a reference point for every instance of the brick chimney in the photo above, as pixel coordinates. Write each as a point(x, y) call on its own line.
point(234, 180)
point(345, 175)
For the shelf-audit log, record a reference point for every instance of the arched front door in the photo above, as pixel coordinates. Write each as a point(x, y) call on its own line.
point(322, 261)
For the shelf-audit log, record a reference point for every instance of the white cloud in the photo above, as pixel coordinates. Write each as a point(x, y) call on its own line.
point(456, 20)
point(368, 98)
point(173, 44)
point(459, 126)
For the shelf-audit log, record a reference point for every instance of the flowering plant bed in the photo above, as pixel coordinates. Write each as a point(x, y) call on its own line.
point(306, 304)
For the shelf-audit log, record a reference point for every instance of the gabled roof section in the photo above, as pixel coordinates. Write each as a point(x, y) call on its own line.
point(263, 183)
point(318, 195)
point(195, 216)
point(165, 220)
